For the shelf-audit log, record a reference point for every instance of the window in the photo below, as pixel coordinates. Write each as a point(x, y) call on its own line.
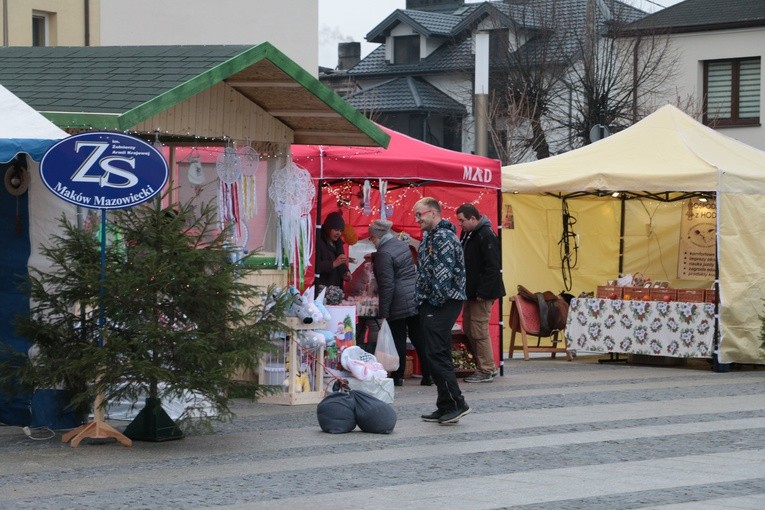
point(732, 92)
point(39, 30)
point(406, 50)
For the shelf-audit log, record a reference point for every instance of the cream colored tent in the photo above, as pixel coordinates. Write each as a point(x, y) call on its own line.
point(662, 160)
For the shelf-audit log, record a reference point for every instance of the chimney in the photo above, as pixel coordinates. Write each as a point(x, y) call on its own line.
point(348, 55)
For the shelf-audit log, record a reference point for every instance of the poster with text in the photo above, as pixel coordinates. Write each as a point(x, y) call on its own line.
point(698, 240)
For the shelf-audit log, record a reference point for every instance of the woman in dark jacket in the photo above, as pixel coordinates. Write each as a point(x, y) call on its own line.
point(396, 275)
point(331, 260)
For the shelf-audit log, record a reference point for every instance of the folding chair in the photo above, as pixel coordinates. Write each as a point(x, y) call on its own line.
point(524, 317)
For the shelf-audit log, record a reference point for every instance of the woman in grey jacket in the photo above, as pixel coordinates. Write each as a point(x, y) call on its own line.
point(396, 276)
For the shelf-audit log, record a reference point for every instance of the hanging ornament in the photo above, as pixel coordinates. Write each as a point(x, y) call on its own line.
point(292, 192)
point(383, 191)
point(228, 166)
point(350, 235)
point(157, 144)
point(366, 189)
point(16, 179)
point(196, 174)
point(236, 240)
point(16, 183)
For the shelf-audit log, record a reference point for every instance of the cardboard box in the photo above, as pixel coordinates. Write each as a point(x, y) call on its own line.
point(663, 294)
point(607, 291)
point(690, 295)
point(710, 295)
point(636, 292)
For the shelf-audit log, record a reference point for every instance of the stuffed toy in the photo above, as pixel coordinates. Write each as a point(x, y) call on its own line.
point(311, 339)
point(319, 302)
point(299, 307)
point(329, 337)
point(302, 383)
point(316, 314)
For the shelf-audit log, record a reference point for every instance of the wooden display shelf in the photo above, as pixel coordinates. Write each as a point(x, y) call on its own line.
point(292, 395)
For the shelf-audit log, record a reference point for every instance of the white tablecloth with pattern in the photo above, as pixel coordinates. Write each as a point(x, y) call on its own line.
point(656, 328)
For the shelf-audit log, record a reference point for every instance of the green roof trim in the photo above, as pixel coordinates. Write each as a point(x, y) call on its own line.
point(107, 113)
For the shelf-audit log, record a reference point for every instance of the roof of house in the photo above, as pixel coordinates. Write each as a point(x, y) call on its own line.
point(451, 56)
point(424, 23)
point(118, 87)
point(703, 15)
point(405, 94)
point(534, 16)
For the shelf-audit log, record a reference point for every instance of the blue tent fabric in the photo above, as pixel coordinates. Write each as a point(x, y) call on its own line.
point(25, 135)
point(14, 253)
point(10, 148)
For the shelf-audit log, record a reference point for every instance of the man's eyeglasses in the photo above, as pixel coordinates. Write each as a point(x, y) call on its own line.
point(418, 215)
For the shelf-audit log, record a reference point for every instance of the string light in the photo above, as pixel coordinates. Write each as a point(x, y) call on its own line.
point(345, 191)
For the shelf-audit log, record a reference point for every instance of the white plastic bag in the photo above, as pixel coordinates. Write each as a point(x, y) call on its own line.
point(385, 352)
point(362, 365)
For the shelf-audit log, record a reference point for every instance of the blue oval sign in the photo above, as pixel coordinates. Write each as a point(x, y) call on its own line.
point(104, 170)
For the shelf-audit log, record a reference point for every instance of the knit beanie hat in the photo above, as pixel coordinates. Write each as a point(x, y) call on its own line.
point(334, 220)
point(379, 228)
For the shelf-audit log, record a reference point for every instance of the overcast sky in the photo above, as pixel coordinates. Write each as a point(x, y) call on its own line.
point(351, 20)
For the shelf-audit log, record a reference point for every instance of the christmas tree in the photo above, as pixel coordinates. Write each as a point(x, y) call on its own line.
point(171, 314)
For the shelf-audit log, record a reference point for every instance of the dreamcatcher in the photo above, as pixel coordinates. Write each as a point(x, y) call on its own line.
point(292, 193)
point(249, 160)
point(229, 170)
point(228, 166)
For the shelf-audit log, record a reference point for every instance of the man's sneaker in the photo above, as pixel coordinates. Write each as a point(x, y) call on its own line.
point(495, 373)
point(434, 416)
point(479, 377)
point(454, 416)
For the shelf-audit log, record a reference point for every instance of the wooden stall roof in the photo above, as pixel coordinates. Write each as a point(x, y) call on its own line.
point(186, 92)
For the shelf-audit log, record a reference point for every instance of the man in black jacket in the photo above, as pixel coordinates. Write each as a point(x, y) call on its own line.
point(483, 265)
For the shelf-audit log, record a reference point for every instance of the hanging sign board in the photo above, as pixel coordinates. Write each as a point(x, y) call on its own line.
point(104, 170)
point(698, 241)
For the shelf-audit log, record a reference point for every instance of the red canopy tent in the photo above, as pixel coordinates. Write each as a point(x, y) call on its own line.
point(408, 170)
point(406, 159)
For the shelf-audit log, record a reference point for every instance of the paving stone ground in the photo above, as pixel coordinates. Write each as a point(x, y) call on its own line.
point(549, 434)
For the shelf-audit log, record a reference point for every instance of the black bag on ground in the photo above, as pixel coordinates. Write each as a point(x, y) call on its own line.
point(372, 414)
point(553, 309)
point(336, 413)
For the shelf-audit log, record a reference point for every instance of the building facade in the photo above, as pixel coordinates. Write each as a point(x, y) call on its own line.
point(719, 73)
point(290, 26)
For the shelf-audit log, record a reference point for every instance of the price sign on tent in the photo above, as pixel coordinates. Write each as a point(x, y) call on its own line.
point(104, 170)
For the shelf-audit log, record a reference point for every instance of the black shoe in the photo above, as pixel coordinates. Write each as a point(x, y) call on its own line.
point(434, 416)
point(454, 416)
point(426, 381)
point(398, 381)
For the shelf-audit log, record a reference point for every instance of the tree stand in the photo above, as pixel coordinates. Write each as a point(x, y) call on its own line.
point(97, 429)
point(153, 424)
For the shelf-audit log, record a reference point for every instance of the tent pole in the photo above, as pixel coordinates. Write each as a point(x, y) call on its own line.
point(318, 216)
point(621, 234)
point(501, 323)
